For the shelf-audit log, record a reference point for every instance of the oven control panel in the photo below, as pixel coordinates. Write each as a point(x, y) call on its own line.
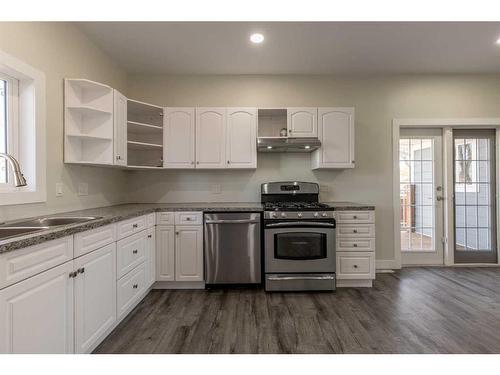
point(287, 215)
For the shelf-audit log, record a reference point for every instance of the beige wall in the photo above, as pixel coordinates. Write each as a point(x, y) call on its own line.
point(60, 50)
point(377, 101)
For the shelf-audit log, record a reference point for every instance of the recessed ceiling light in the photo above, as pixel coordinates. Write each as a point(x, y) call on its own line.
point(257, 38)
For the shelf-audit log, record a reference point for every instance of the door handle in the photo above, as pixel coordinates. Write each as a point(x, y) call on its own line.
point(300, 224)
point(280, 278)
point(440, 198)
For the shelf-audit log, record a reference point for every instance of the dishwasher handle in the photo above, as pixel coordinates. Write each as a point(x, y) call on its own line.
point(235, 221)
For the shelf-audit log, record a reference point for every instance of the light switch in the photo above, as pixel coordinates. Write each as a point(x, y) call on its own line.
point(83, 188)
point(59, 189)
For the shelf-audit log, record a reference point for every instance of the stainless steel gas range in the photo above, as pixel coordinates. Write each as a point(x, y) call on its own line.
point(299, 238)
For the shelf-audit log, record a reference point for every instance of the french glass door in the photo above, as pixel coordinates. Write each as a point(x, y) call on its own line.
point(420, 192)
point(474, 196)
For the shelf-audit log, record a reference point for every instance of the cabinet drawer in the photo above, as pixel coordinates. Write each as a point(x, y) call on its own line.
point(355, 244)
point(188, 218)
point(128, 227)
point(355, 265)
point(21, 264)
point(91, 240)
point(355, 217)
point(356, 231)
point(165, 218)
point(151, 220)
point(131, 251)
point(130, 288)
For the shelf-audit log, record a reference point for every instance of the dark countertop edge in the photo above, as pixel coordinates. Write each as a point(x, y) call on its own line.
point(12, 244)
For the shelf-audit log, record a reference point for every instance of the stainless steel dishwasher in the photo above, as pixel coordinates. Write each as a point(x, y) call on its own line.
point(232, 248)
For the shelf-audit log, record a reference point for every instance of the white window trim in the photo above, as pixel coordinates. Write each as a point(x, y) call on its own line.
point(447, 124)
point(31, 147)
point(12, 126)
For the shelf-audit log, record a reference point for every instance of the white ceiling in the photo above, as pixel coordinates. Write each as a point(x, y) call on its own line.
point(300, 47)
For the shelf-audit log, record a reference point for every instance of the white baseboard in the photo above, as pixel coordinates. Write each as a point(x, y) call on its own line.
point(386, 264)
point(343, 283)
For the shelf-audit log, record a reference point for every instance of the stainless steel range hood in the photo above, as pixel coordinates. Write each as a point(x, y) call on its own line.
point(270, 144)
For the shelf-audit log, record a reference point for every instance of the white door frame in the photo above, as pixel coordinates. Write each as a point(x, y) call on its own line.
point(447, 124)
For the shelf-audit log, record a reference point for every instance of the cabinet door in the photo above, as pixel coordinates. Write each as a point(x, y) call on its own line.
point(36, 315)
point(120, 128)
point(336, 133)
point(302, 122)
point(210, 137)
point(189, 253)
point(150, 256)
point(178, 141)
point(241, 138)
point(95, 297)
point(165, 253)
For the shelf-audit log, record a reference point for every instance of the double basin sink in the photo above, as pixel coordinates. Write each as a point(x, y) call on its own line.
point(37, 225)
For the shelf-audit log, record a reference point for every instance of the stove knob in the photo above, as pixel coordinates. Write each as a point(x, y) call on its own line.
point(315, 214)
point(299, 214)
point(324, 214)
point(283, 214)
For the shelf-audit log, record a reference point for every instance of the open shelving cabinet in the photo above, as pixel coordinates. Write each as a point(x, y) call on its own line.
point(88, 122)
point(144, 135)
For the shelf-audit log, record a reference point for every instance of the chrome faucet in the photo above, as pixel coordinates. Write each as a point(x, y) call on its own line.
point(19, 179)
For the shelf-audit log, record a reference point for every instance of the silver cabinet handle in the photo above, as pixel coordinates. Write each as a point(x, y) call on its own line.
point(355, 266)
point(177, 233)
point(354, 217)
point(135, 286)
point(197, 162)
point(280, 278)
point(192, 162)
point(80, 270)
point(355, 231)
point(134, 251)
point(228, 162)
point(354, 245)
point(188, 219)
point(149, 235)
point(134, 225)
point(73, 274)
point(242, 221)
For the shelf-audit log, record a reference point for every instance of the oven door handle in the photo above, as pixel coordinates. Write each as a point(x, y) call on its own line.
point(233, 221)
point(282, 278)
point(300, 224)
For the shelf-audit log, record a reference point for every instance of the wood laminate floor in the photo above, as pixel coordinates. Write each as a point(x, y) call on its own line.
point(416, 310)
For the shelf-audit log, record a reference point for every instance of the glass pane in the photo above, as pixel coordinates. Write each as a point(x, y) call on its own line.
point(415, 149)
point(483, 194)
point(405, 239)
point(484, 239)
point(404, 149)
point(460, 194)
point(427, 173)
point(427, 239)
point(483, 174)
point(483, 216)
point(460, 239)
point(296, 245)
point(427, 216)
point(3, 130)
point(471, 238)
point(471, 216)
point(427, 194)
point(416, 171)
point(404, 171)
point(427, 149)
point(416, 238)
point(460, 216)
point(470, 194)
point(483, 151)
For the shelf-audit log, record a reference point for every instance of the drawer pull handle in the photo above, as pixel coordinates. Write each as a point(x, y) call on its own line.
point(134, 226)
point(135, 286)
point(355, 266)
point(177, 233)
point(134, 251)
point(72, 274)
point(355, 231)
point(355, 245)
point(80, 270)
point(188, 219)
point(354, 217)
point(149, 236)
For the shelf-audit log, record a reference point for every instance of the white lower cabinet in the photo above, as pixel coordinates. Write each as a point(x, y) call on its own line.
point(150, 256)
point(189, 253)
point(130, 288)
point(95, 297)
point(165, 253)
point(36, 315)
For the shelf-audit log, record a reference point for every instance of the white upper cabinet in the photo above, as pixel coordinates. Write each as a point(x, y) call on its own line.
point(336, 133)
point(210, 137)
point(95, 297)
point(241, 138)
point(179, 138)
point(36, 315)
point(302, 122)
point(120, 128)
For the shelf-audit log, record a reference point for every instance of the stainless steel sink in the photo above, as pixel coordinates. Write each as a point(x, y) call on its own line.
point(35, 225)
point(7, 232)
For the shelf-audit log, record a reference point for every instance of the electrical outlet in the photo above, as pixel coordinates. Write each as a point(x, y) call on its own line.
point(83, 188)
point(216, 188)
point(59, 189)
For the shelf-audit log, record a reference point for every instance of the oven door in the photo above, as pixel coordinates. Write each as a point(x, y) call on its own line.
point(300, 247)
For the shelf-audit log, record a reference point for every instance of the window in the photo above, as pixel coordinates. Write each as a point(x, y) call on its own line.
point(8, 124)
point(22, 117)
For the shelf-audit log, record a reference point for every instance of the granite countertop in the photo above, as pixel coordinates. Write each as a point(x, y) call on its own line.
point(120, 212)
